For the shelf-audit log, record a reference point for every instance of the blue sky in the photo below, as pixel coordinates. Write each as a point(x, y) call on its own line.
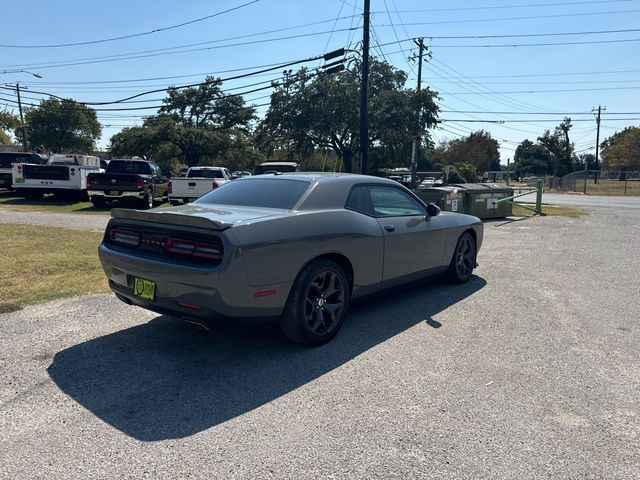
point(542, 83)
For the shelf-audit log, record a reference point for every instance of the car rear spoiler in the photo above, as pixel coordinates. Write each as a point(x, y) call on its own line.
point(169, 218)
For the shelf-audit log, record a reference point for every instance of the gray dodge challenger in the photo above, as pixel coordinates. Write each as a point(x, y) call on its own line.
point(292, 247)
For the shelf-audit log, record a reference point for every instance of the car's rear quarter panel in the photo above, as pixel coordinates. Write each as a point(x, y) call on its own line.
point(275, 251)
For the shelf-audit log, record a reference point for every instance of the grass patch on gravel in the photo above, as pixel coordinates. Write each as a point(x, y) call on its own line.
point(42, 264)
point(48, 204)
point(550, 210)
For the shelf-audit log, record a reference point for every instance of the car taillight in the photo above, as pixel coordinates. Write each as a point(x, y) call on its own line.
point(194, 248)
point(139, 184)
point(124, 237)
point(214, 186)
point(169, 188)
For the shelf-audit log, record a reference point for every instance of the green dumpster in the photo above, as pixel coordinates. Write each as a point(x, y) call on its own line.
point(449, 198)
point(481, 199)
point(431, 195)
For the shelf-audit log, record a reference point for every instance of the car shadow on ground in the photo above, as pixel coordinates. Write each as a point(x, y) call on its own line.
point(164, 380)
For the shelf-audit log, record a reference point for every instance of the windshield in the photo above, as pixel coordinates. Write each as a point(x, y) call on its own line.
point(123, 166)
point(205, 173)
point(267, 193)
point(260, 169)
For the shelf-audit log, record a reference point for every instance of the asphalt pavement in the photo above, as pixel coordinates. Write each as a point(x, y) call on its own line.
point(531, 370)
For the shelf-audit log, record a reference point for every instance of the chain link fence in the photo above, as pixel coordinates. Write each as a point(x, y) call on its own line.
point(596, 182)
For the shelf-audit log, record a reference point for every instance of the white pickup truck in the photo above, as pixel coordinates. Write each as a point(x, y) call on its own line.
point(197, 182)
point(65, 176)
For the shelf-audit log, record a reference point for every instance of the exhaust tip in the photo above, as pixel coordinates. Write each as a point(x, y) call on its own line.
point(198, 324)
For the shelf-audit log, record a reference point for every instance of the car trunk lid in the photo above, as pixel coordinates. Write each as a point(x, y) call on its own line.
point(218, 217)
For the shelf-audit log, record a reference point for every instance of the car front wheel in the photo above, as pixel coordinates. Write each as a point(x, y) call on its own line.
point(317, 304)
point(464, 259)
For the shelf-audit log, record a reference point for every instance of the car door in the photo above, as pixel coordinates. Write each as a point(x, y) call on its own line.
point(412, 244)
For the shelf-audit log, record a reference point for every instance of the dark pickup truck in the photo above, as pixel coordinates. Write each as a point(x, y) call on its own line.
point(135, 181)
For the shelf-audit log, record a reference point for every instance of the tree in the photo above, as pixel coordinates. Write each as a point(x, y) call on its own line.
point(8, 122)
point(588, 158)
point(560, 149)
point(531, 158)
point(319, 111)
point(622, 150)
point(62, 126)
point(477, 149)
point(134, 142)
point(201, 121)
point(144, 141)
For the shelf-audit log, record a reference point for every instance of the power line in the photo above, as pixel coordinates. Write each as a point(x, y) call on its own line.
point(527, 5)
point(501, 121)
point(502, 45)
point(163, 52)
point(554, 74)
point(558, 90)
point(133, 35)
point(176, 49)
point(148, 92)
point(531, 17)
point(546, 34)
point(535, 113)
point(501, 7)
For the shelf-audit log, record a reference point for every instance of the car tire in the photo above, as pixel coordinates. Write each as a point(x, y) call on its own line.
point(33, 195)
point(464, 259)
point(175, 203)
point(317, 304)
point(147, 201)
point(98, 202)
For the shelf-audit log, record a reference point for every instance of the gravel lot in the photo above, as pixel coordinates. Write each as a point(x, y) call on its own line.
point(532, 370)
point(62, 220)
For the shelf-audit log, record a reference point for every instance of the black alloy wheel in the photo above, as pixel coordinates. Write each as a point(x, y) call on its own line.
point(98, 202)
point(464, 259)
point(317, 304)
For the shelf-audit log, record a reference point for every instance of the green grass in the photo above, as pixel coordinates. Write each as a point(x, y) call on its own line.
point(48, 204)
point(43, 264)
point(607, 187)
point(549, 210)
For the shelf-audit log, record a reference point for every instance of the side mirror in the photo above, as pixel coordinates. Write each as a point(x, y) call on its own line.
point(433, 210)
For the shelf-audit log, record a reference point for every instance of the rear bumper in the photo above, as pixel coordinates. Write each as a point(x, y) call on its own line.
point(137, 194)
point(191, 292)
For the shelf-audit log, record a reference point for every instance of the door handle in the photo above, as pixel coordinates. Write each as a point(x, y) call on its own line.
point(389, 228)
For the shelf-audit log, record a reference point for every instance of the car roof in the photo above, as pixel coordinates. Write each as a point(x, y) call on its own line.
point(324, 177)
point(279, 163)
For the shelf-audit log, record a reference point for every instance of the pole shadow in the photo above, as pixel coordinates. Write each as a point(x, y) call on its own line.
point(163, 380)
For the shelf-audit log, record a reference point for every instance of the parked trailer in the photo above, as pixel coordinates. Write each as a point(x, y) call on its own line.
point(64, 176)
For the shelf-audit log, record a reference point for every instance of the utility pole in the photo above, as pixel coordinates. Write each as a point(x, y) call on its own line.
point(600, 108)
point(24, 135)
point(364, 93)
point(416, 138)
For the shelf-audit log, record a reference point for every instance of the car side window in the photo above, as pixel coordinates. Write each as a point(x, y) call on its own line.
point(360, 200)
point(393, 202)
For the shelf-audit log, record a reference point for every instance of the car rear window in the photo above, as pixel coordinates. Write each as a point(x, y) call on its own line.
point(205, 174)
point(267, 193)
point(121, 166)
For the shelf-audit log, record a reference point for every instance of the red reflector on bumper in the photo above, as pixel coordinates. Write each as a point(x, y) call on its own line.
point(266, 293)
